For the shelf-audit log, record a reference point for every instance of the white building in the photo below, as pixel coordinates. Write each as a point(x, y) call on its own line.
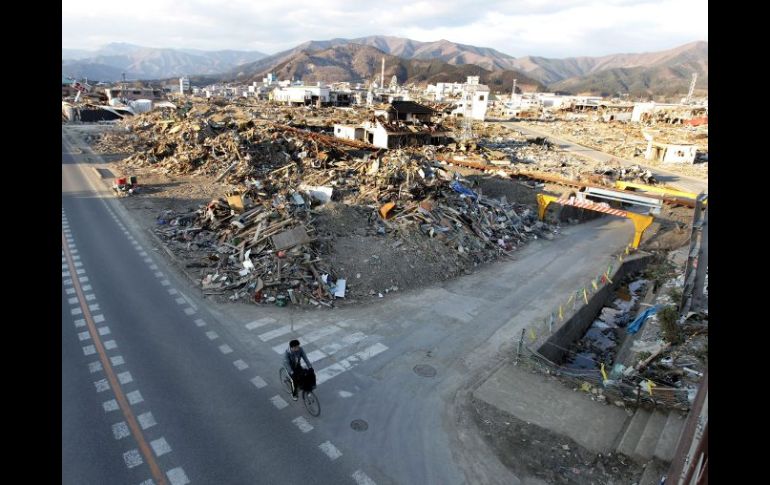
point(670, 153)
point(302, 94)
point(184, 85)
point(474, 100)
point(349, 132)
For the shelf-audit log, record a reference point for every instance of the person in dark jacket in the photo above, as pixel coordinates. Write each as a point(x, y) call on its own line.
point(292, 361)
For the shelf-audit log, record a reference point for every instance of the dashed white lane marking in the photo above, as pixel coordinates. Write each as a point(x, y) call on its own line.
point(147, 260)
point(158, 274)
point(94, 367)
point(310, 337)
point(125, 377)
point(177, 476)
point(98, 318)
point(149, 481)
point(111, 405)
point(200, 323)
point(83, 279)
point(104, 330)
point(153, 267)
point(90, 296)
point(142, 253)
point(259, 382)
point(67, 282)
point(172, 291)
point(84, 335)
point(212, 335)
point(73, 301)
point(120, 430)
point(362, 478)
point(77, 264)
point(134, 397)
point(278, 402)
point(80, 271)
point(86, 288)
point(76, 311)
point(167, 283)
point(302, 424)
point(89, 350)
point(335, 369)
point(146, 420)
point(240, 365)
point(160, 446)
point(94, 307)
point(70, 291)
point(110, 344)
point(225, 349)
point(117, 360)
point(259, 323)
point(189, 311)
point(132, 458)
point(180, 301)
point(101, 385)
point(80, 322)
point(330, 450)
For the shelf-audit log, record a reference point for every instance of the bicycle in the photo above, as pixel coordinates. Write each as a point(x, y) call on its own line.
point(309, 398)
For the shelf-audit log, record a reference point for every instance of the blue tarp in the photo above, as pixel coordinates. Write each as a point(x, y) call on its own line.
point(634, 326)
point(458, 187)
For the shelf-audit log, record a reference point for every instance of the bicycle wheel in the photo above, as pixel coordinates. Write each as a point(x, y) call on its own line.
point(286, 382)
point(311, 403)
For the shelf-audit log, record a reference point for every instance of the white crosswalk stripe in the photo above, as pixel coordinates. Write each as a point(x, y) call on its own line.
point(310, 337)
point(338, 368)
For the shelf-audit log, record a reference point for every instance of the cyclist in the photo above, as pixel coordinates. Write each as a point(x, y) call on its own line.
point(291, 360)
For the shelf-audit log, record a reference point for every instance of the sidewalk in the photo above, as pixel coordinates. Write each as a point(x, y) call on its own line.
point(546, 402)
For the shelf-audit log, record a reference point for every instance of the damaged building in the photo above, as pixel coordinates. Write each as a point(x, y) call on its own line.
point(400, 124)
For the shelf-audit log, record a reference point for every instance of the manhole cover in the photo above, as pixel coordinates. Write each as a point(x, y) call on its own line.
point(425, 370)
point(359, 425)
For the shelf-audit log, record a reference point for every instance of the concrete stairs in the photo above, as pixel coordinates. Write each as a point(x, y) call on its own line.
point(651, 434)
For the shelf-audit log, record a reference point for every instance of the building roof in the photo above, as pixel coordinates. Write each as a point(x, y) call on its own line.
point(410, 107)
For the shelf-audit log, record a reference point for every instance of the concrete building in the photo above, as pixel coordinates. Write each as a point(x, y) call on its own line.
point(670, 153)
point(302, 95)
point(349, 132)
point(474, 100)
point(184, 85)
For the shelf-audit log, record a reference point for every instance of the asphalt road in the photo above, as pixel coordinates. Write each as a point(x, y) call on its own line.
point(395, 367)
point(200, 417)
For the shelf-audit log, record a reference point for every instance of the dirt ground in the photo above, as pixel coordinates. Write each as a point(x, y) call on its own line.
point(625, 140)
point(529, 450)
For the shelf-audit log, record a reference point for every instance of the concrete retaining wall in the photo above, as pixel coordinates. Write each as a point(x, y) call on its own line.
point(573, 328)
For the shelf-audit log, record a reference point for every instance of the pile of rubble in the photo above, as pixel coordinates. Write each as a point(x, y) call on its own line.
point(262, 242)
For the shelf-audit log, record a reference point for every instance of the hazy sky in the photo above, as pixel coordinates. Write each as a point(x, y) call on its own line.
point(549, 28)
